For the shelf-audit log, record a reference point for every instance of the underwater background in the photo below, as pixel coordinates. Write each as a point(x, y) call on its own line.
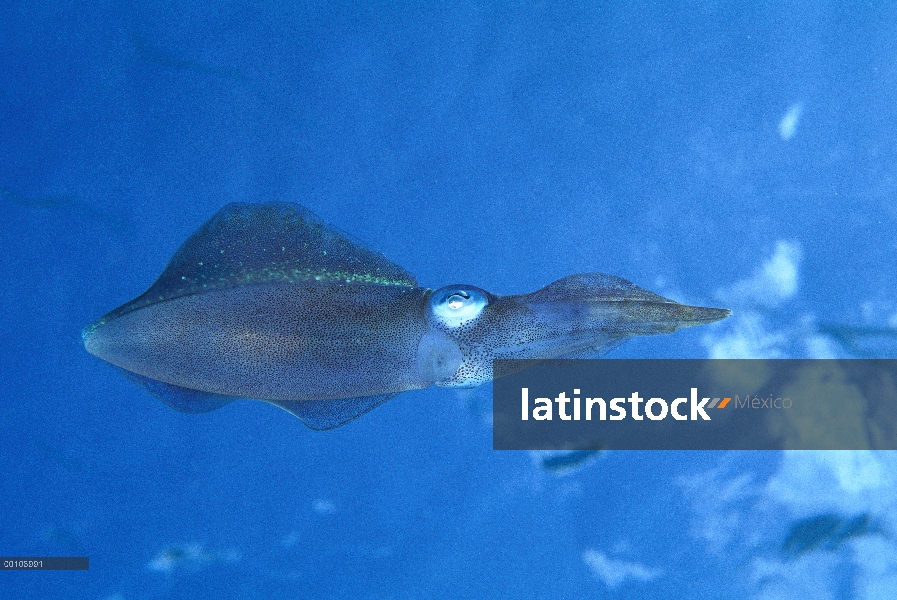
point(717, 153)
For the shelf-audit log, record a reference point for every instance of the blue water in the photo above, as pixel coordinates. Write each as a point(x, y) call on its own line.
point(719, 154)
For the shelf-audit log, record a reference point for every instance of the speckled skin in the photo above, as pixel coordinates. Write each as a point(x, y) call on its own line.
point(267, 302)
point(585, 313)
point(281, 341)
point(275, 341)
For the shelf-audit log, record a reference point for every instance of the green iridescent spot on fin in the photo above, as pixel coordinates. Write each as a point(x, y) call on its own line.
point(261, 243)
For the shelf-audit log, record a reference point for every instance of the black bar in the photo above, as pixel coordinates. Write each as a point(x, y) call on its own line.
point(774, 404)
point(44, 563)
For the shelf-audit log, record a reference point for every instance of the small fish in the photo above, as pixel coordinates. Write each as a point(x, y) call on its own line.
point(863, 342)
point(52, 202)
point(826, 532)
point(189, 557)
point(566, 461)
point(62, 204)
point(150, 53)
point(266, 302)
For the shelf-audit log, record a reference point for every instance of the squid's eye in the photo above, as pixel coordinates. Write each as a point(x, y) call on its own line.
point(456, 305)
